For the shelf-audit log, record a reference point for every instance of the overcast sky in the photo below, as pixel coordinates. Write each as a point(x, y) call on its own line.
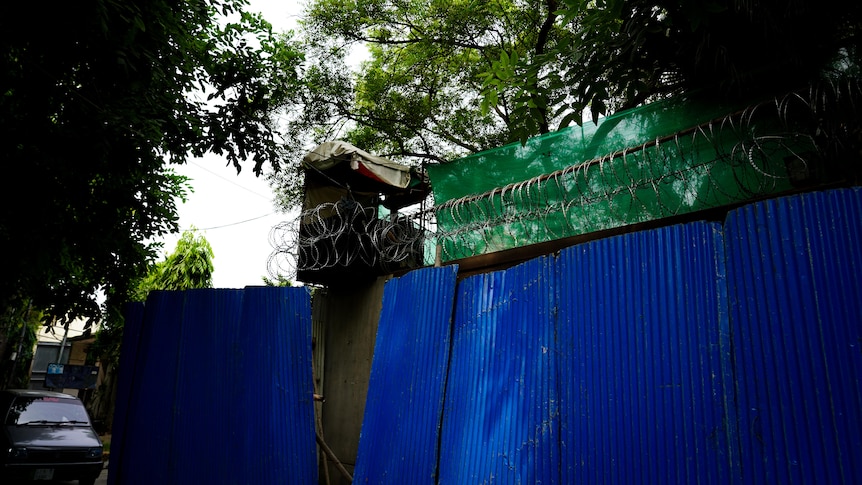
point(235, 212)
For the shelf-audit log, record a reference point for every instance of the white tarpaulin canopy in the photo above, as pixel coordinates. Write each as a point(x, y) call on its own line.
point(331, 154)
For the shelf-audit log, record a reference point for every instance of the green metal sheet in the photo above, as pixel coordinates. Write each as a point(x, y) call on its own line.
point(487, 170)
point(665, 159)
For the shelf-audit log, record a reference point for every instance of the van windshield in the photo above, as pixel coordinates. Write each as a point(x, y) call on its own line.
point(46, 410)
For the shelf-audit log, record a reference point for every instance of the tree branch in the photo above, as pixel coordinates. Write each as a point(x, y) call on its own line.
point(541, 42)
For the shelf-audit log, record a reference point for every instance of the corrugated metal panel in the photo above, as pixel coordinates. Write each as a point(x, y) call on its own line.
point(644, 354)
point(499, 423)
point(133, 323)
point(204, 395)
point(405, 394)
point(275, 417)
point(222, 390)
point(796, 312)
point(147, 448)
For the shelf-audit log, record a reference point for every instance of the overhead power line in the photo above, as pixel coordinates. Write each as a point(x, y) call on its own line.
point(234, 223)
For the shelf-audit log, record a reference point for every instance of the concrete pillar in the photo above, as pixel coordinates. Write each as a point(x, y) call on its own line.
point(345, 319)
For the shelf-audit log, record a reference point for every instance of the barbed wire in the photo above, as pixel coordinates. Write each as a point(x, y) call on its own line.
point(347, 234)
point(762, 150)
point(765, 149)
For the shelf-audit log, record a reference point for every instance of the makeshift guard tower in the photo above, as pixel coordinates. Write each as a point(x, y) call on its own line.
point(351, 227)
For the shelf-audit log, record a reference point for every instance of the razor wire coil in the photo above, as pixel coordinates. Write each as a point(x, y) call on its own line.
point(761, 150)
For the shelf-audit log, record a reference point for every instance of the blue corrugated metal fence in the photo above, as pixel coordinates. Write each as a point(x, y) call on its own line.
point(795, 273)
point(500, 420)
point(643, 352)
point(220, 390)
point(699, 353)
point(398, 442)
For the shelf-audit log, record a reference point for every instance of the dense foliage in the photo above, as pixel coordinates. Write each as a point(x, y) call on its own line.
point(97, 99)
point(418, 95)
point(626, 52)
point(445, 78)
point(189, 266)
point(17, 345)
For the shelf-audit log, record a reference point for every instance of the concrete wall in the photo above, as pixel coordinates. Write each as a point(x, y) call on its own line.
point(345, 320)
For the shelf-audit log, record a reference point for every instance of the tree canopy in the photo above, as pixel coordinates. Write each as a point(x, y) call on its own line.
point(97, 100)
point(419, 95)
point(189, 266)
point(445, 78)
point(627, 52)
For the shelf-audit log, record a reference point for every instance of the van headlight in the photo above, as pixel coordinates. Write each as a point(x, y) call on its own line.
point(18, 453)
point(94, 452)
